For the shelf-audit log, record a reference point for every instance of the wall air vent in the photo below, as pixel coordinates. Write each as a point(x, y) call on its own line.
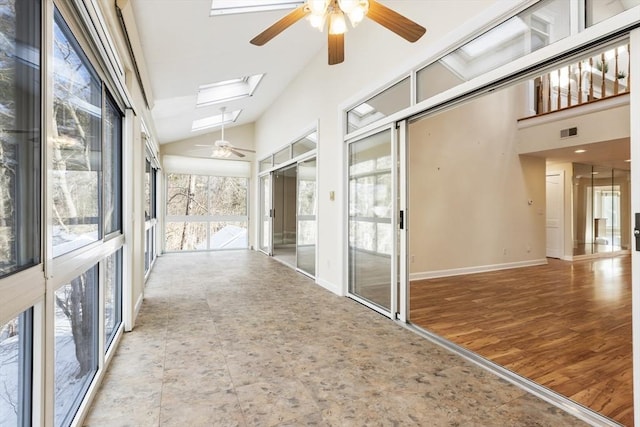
point(566, 133)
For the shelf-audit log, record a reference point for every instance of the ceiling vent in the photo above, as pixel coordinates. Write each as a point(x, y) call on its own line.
point(566, 133)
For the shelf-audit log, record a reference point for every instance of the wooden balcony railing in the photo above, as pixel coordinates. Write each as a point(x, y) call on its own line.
point(598, 77)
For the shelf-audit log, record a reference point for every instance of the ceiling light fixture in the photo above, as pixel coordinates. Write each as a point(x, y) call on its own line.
point(580, 151)
point(334, 11)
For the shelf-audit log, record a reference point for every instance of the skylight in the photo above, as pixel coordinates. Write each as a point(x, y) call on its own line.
point(214, 121)
point(230, 7)
point(496, 37)
point(227, 90)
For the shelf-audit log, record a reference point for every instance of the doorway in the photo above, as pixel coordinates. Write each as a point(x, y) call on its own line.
point(288, 215)
point(284, 214)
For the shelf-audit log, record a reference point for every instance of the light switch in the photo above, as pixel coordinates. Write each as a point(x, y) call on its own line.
point(332, 195)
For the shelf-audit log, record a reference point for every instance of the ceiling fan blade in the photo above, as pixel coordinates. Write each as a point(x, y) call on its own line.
point(392, 20)
point(243, 149)
point(281, 25)
point(336, 48)
point(204, 145)
point(236, 152)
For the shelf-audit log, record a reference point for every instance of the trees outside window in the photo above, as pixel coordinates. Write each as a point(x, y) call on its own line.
point(206, 212)
point(76, 145)
point(76, 343)
point(19, 135)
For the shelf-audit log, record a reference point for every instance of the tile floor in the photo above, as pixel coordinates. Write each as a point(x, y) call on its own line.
point(238, 339)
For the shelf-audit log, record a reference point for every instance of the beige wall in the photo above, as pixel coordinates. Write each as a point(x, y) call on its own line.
point(470, 190)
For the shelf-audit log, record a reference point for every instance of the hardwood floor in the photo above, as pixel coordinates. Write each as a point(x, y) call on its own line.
point(565, 325)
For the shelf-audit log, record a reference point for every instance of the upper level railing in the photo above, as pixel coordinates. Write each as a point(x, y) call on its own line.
point(601, 76)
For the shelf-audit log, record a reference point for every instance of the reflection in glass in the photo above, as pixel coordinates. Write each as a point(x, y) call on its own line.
point(282, 156)
point(598, 10)
point(305, 144)
point(370, 209)
point(15, 371)
point(228, 235)
point(284, 214)
point(387, 102)
point(113, 168)
point(19, 135)
point(112, 296)
point(76, 145)
point(76, 343)
point(307, 208)
point(540, 25)
point(601, 204)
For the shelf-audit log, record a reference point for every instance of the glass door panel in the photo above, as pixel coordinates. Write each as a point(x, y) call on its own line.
point(307, 206)
point(265, 214)
point(371, 236)
point(284, 214)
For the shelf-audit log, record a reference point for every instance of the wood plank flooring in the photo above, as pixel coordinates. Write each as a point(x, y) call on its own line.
point(565, 325)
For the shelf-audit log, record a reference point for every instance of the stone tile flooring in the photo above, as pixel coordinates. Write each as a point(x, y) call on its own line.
point(238, 339)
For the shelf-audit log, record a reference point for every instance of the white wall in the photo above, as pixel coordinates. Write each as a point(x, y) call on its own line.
point(373, 57)
point(470, 191)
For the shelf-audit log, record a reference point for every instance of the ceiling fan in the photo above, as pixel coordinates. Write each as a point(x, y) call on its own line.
point(223, 148)
point(320, 12)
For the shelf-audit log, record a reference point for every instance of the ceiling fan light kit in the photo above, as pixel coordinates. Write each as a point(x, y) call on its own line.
point(222, 148)
point(332, 13)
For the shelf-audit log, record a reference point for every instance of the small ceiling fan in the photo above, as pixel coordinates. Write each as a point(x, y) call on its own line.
point(333, 13)
point(223, 148)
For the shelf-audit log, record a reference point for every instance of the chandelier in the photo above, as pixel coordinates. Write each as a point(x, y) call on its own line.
point(334, 11)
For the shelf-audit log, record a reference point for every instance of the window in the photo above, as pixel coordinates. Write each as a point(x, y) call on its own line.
point(598, 11)
point(540, 25)
point(19, 135)
point(16, 358)
point(387, 102)
point(206, 212)
point(112, 296)
point(76, 145)
point(76, 343)
point(112, 151)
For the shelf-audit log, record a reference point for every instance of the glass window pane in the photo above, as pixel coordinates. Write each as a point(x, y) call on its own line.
point(538, 26)
point(599, 10)
point(76, 145)
point(112, 296)
point(19, 135)
point(186, 236)
point(229, 235)
point(227, 195)
point(147, 190)
point(113, 168)
point(370, 232)
point(76, 343)
point(266, 164)
point(389, 101)
point(281, 156)
point(305, 144)
point(187, 195)
point(15, 371)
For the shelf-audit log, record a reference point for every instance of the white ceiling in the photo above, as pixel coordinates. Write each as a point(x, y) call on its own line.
point(185, 48)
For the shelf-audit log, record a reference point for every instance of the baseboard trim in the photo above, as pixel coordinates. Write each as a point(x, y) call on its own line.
point(331, 287)
point(476, 269)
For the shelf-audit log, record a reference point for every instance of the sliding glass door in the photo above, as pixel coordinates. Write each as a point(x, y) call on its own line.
point(265, 214)
point(373, 270)
point(307, 226)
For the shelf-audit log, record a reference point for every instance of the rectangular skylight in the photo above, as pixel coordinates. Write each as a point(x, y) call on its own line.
point(227, 90)
point(214, 121)
point(230, 7)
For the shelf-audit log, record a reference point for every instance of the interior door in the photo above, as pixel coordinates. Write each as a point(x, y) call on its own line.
point(555, 214)
point(373, 243)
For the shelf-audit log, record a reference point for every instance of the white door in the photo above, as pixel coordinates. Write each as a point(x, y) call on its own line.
point(555, 214)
